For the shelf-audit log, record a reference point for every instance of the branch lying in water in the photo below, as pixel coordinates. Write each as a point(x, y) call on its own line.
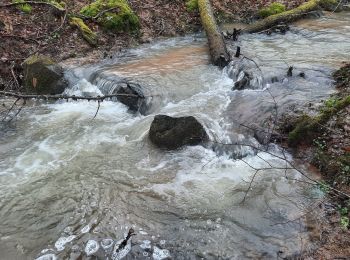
point(58, 97)
point(25, 97)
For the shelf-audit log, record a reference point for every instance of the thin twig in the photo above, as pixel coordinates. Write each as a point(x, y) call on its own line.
point(58, 97)
point(98, 108)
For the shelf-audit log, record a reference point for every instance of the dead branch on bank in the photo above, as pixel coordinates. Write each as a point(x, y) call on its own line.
point(57, 7)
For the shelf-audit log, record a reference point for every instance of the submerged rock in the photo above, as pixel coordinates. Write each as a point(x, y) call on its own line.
point(243, 81)
point(43, 76)
point(172, 133)
point(133, 97)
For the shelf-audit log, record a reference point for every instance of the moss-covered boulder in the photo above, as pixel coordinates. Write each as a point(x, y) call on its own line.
point(274, 8)
point(86, 32)
point(115, 15)
point(43, 76)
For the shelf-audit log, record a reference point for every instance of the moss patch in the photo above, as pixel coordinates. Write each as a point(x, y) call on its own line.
point(87, 33)
point(342, 76)
point(274, 8)
point(192, 5)
point(119, 18)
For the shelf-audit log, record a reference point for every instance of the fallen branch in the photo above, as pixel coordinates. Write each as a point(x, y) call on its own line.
point(34, 3)
point(285, 17)
point(58, 97)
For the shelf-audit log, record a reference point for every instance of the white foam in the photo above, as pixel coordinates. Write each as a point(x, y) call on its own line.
point(146, 244)
point(62, 241)
point(47, 257)
point(160, 254)
point(107, 243)
point(91, 247)
point(85, 229)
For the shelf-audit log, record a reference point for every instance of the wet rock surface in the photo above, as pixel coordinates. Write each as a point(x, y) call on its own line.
point(172, 133)
point(43, 76)
point(132, 96)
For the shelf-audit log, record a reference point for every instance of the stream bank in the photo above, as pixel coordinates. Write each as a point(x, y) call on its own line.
point(326, 146)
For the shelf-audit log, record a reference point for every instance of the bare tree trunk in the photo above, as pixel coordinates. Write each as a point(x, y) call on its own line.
point(217, 47)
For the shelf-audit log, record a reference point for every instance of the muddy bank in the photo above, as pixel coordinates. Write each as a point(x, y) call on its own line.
point(322, 138)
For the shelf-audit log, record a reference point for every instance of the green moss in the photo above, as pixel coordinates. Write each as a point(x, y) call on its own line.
point(192, 5)
point(122, 18)
point(308, 127)
point(274, 8)
point(25, 8)
point(87, 33)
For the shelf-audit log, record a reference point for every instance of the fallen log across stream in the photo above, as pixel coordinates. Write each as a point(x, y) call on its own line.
point(217, 47)
point(288, 16)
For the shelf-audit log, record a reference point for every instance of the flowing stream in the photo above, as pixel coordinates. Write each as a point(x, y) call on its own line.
point(72, 186)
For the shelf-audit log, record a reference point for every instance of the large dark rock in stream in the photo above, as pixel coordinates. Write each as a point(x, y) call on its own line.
point(43, 76)
point(132, 96)
point(174, 132)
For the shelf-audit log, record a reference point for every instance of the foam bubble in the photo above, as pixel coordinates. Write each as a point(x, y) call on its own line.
point(91, 247)
point(160, 254)
point(62, 241)
point(47, 257)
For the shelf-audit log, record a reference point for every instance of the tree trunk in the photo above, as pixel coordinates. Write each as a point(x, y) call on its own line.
point(285, 17)
point(217, 47)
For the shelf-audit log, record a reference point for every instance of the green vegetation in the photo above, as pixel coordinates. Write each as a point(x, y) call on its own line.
point(25, 8)
point(192, 5)
point(274, 8)
point(120, 16)
point(344, 217)
point(87, 33)
point(307, 127)
point(324, 187)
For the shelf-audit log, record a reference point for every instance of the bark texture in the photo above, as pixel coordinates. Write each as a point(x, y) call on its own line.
point(285, 17)
point(217, 47)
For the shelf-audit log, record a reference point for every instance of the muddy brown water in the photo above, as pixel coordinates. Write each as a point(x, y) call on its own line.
point(71, 187)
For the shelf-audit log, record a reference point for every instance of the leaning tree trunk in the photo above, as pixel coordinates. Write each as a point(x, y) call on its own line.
point(285, 17)
point(217, 47)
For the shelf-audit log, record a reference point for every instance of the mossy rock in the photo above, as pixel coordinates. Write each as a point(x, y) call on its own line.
point(192, 5)
point(86, 32)
point(274, 8)
point(43, 76)
point(122, 18)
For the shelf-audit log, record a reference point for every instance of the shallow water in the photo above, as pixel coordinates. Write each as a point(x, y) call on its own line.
point(71, 186)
